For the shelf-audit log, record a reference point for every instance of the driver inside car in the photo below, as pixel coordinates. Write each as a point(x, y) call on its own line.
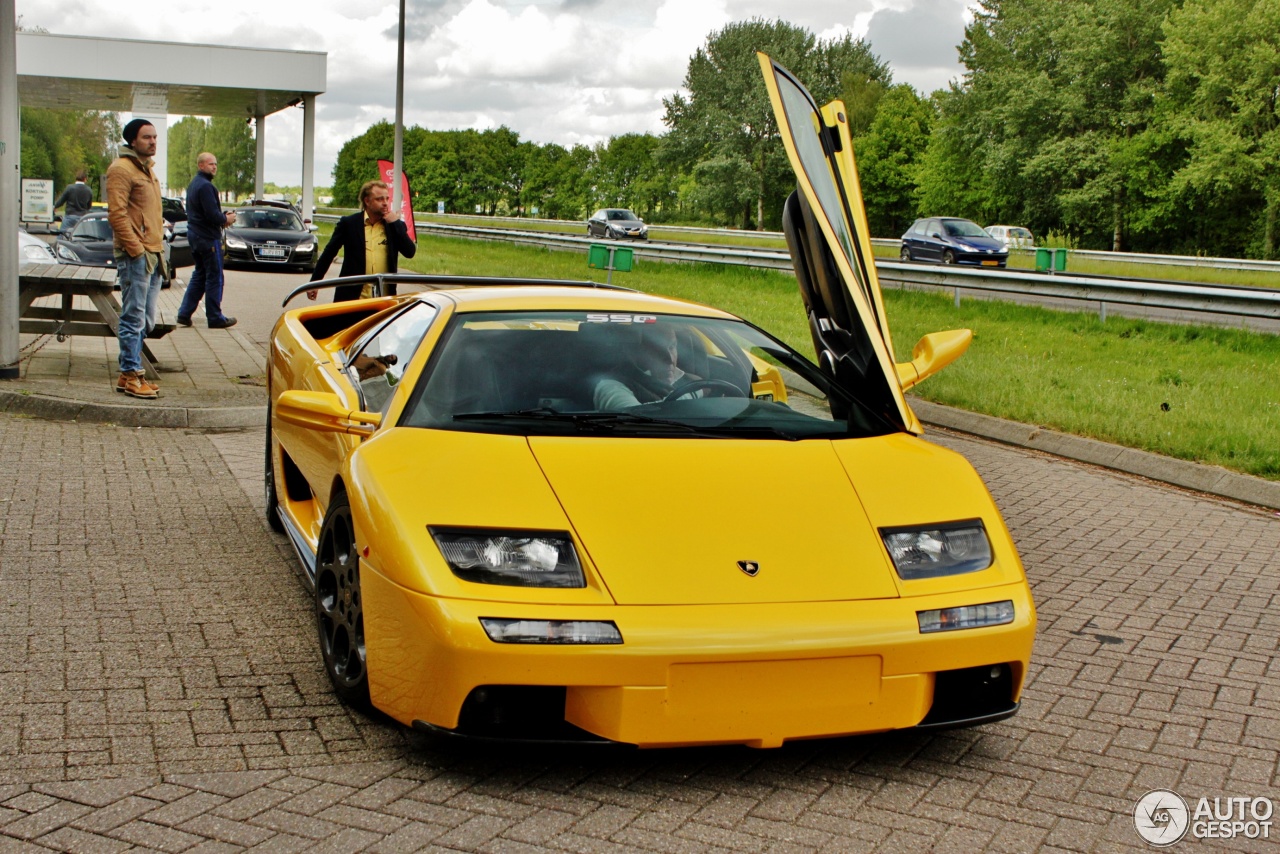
point(650, 374)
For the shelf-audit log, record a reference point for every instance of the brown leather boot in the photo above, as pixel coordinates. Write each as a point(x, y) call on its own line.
point(152, 384)
point(132, 385)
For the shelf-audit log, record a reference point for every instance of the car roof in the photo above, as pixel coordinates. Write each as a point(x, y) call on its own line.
point(553, 297)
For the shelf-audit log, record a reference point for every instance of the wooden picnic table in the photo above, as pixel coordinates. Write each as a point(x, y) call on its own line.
point(69, 281)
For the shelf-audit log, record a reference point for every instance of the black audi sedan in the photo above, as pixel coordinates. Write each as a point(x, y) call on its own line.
point(269, 236)
point(952, 240)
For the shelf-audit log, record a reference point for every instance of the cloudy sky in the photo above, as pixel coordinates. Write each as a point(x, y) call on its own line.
point(566, 71)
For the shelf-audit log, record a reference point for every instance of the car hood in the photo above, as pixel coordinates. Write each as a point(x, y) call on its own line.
point(662, 521)
point(268, 235)
point(978, 242)
point(688, 521)
point(99, 253)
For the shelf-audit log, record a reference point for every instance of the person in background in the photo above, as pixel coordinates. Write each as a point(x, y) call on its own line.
point(136, 216)
point(371, 241)
point(205, 221)
point(78, 198)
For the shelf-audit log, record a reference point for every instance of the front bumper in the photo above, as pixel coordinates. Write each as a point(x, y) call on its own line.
point(271, 256)
point(712, 674)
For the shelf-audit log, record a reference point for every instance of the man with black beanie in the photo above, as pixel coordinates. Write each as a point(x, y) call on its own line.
point(136, 215)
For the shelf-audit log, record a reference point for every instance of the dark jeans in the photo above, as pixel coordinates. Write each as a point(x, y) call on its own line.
point(206, 283)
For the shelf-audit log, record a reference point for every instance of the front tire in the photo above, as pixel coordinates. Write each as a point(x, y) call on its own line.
point(905, 254)
point(340, 607)
point(948, 257)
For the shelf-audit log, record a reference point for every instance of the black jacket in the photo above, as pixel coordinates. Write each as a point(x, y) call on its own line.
point(348, 235)
point(205, 219)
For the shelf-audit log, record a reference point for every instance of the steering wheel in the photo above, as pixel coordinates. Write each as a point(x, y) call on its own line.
point(728, 389)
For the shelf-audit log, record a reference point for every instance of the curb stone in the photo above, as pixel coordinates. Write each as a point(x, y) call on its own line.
point(131, 415)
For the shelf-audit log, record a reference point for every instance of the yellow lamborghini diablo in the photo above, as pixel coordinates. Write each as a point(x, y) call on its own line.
point(570, 511)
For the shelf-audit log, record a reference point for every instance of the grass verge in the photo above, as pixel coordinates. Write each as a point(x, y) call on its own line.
point(1196, 393)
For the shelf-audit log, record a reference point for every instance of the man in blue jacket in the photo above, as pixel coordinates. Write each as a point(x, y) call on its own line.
point(205, 221)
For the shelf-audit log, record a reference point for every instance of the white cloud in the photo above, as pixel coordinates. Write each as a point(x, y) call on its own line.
point(566, 71)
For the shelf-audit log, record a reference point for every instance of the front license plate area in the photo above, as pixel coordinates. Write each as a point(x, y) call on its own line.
point(990, 263)
point(272, 252)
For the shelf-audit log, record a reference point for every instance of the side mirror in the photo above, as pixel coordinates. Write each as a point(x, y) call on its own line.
point(931, 354)
point(936, 236)
point(324, 411)
point(312, 227)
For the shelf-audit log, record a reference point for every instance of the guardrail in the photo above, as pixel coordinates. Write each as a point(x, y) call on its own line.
point(1262, 303)
point(894, 243)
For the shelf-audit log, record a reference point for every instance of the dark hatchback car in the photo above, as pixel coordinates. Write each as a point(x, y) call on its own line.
point(269, 236)
point(952, 240)
point(616, 223)
point(91, 243)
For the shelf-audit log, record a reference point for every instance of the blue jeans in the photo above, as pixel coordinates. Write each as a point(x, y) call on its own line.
point(206, 283)
point(139, 291)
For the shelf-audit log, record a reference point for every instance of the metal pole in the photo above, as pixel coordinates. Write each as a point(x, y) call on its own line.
point(10, 137)
point(398, 166)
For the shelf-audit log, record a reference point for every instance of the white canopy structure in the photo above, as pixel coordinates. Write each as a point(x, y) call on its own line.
point(149, 79)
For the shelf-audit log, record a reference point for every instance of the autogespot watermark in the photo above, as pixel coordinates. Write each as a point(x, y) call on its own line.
point(1163, 817)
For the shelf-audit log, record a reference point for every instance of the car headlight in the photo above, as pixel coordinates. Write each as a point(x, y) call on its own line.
point(66, 252)
point(305, 246)
point(234, 242)
point(35, 253)
point(929, 551)
point(511, 558)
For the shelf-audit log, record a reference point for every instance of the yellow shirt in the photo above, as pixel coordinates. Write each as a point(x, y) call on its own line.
point(375, 253)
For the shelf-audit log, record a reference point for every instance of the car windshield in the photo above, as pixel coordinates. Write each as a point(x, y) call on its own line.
point(277, 219)
point(97, 228)
point(1019, 232)
point(963, 228)
point(625, 374)
point(619, 214)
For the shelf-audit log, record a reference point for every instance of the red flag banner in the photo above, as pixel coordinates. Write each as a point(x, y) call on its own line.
point(387, 170)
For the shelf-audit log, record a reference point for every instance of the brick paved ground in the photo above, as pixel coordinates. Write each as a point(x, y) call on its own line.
point(162, 689)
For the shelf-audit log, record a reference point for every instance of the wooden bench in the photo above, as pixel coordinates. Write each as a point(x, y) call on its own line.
point(69, 281)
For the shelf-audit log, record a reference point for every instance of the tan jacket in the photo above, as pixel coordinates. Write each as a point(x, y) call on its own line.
point(133, 206)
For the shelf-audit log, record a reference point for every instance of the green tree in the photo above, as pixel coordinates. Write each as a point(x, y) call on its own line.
point(229, 139)
point(726, 120)
point(184, 142)
point(1222, 97)
point(59, 143)
point(889, 157)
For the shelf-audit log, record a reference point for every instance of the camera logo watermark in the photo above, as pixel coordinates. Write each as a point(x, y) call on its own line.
point(1162, 818)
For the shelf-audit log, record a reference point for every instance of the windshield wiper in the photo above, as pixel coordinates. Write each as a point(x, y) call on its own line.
point(614, 420)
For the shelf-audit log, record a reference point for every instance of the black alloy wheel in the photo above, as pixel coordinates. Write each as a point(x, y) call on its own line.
point(340, 607)
point(905, 254)
point(948, 257)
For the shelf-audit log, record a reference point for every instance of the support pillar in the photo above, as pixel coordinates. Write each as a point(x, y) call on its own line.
point(308, 156)
point(10, 182)
point(260, 155)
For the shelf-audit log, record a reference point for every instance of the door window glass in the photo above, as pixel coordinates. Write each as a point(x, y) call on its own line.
point(381, 360)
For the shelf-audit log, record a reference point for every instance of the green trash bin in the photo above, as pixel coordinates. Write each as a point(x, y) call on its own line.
point(1059, 260)
point(598, 257)
point(1044, 259)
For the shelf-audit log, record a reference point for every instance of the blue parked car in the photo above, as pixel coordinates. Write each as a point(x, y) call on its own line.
point(952, 240)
